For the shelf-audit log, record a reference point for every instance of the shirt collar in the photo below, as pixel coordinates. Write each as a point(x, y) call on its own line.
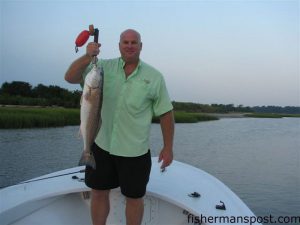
point(123, 63)
point(136, 69)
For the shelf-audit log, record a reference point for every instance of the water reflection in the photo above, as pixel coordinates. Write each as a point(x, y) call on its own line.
point(259, 159)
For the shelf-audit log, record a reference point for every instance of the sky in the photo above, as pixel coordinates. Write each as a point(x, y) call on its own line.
point(210, 52)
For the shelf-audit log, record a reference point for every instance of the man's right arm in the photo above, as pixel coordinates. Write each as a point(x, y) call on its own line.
point(74, 73)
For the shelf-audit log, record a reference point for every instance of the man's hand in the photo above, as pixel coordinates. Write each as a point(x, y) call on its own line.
point(93, 49)
point(166, 156)
point(74, 73)
point(167, 128)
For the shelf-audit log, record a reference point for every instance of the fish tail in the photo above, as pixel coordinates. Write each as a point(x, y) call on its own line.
point(87, 159)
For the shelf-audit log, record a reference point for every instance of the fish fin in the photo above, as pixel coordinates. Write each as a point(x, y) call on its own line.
point(87, 159)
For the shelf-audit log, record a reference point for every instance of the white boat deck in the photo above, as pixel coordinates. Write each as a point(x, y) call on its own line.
point(60, 200)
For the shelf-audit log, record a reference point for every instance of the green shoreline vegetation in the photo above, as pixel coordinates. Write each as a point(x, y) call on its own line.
point(14, 117)
point(24, 106)
point(37, 117)
point(186, 117)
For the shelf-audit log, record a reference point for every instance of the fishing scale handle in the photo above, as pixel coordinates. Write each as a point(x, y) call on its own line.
point(96, 35)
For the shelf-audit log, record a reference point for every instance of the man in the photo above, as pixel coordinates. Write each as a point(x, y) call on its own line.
point(133, 91)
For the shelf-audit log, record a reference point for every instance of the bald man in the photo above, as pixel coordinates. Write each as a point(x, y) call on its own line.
point(133, 92)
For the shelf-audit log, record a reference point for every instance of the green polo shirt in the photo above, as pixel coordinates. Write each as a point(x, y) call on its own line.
point(128, 107)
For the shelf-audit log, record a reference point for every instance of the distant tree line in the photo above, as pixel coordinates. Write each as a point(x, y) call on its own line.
point(277, 109)
point(213, 108)
point(22, 93)
point(230, 108)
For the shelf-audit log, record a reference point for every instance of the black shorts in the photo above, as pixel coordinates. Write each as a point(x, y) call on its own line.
point(131, 174)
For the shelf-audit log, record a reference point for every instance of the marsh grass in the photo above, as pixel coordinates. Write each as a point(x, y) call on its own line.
point(27, 117)
point(31, 117)
point(184, 117)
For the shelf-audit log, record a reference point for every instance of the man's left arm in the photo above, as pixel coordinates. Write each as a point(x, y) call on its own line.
point(167, 128)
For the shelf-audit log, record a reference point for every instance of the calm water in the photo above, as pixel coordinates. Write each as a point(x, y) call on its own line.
point(259, 159)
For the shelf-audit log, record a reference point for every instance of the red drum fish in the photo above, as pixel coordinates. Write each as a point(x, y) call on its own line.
point(90, 119)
